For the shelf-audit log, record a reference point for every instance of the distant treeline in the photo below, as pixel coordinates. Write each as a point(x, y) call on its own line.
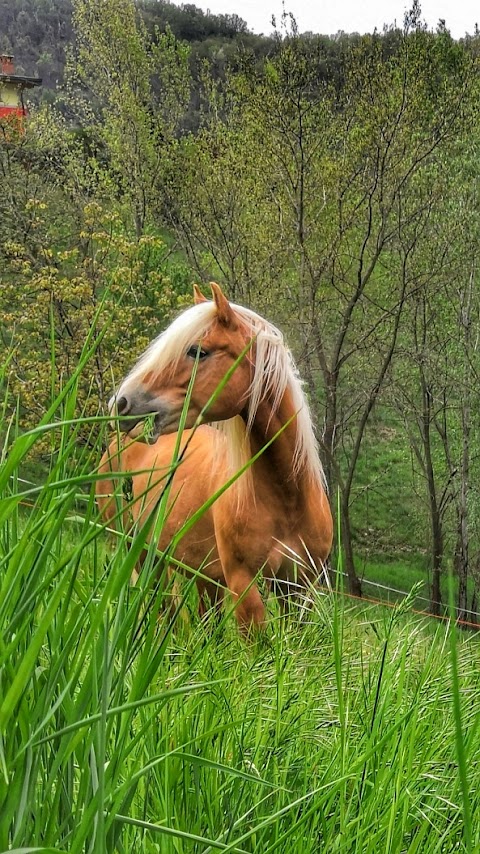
point(39, 32)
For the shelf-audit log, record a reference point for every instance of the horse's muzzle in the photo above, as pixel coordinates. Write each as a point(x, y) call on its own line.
point(130, 410)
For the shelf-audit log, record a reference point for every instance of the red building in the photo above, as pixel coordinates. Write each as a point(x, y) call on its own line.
point(12, 87)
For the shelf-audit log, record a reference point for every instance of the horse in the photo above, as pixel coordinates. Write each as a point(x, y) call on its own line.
point(224, 363)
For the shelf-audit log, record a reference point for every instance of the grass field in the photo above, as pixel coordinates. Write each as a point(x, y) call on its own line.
point(345, 728)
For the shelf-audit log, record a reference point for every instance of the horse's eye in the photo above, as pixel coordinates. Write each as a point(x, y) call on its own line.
point(195, 351)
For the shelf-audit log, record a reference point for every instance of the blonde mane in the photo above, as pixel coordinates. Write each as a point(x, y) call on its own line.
point(275, 373)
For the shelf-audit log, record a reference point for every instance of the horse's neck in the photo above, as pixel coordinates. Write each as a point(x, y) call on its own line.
point(275, 466)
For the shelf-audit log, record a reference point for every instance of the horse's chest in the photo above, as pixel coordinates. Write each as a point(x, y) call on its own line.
point(268, 537)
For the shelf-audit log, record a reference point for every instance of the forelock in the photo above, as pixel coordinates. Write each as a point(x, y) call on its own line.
point(165, 351)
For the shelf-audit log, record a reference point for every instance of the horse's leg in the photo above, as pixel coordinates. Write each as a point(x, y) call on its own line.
point(210, 598)
point(240, 567)
point(250, 610)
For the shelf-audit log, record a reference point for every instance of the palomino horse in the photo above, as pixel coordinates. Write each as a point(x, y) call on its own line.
point(276, 517)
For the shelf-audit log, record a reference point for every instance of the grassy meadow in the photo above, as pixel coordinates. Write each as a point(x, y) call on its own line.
point(345, 728)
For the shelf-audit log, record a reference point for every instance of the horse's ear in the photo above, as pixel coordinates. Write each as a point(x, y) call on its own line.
point(198, 296)
point(225, 312)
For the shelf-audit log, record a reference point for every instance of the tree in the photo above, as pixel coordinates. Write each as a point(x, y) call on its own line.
point(70, 200)
point(68, 263)
point(434, 382)
point(131, 92)
point(300, 195)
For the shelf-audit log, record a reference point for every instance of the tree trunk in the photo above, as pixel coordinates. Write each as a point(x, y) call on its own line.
point(329, 429)
point(474, 606)
point(461, 557)
point(434, 506)
point(437, 546)
point(354, 584)
point(462, 552)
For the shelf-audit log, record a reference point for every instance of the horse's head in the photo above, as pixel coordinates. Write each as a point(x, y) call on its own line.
point(207, 339)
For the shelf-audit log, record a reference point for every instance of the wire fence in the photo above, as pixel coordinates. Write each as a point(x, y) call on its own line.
point(404, 593)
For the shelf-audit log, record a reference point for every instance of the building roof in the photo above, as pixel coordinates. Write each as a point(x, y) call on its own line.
point(20, 80)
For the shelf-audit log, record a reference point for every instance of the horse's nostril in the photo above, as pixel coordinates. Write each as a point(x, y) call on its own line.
point(122, 405)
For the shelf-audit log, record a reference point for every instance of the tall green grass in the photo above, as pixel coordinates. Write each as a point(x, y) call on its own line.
point(345, 729)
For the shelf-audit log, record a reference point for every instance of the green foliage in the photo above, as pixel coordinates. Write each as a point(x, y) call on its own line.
point(68, 264)
point(131, 121)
